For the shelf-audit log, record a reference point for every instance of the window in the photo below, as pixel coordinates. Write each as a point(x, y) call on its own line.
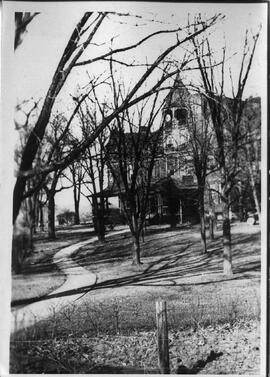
point(181, 115)
point(169, 142)
point(168, 115)
point(172, 165)
point(188, 179)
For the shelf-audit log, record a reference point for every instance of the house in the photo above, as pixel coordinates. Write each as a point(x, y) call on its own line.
point(174, 188)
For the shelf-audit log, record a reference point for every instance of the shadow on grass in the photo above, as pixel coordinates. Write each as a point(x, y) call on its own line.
point(181, 369)
point(166, 271)
point(115, 369)
point(45, 263)
point(199, 365)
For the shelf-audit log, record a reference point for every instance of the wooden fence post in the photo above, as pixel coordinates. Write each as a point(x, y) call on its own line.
point(162, 337)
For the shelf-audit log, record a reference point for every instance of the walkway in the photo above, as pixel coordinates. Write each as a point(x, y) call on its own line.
point(77, 277)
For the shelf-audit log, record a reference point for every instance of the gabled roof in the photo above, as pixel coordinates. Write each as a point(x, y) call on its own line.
point(173, 186)
point(178, 94)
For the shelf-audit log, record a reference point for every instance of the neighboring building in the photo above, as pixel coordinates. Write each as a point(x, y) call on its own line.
point(66, 218)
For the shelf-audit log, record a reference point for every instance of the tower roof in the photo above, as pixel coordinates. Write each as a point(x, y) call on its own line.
point(178, 93)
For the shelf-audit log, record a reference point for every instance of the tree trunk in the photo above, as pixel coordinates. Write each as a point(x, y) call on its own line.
point(211, 226)
point(76, 207)
point(203, 237)
point(77, 213)
point(30, 151)
point(41, 218)
point(212, 217)
point(60, 75)
point(51, 217)
point(100, 227)
point(254, 193)
point(202, 220)
point(101, 220)
point(241, 207)
point(136, 253)
point(30, 205)
point(227, 247)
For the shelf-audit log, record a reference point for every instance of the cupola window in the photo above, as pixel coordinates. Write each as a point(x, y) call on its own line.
point(181, 115)
point(168, 115)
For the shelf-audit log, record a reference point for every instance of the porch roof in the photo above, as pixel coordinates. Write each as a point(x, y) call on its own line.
point(168, 185)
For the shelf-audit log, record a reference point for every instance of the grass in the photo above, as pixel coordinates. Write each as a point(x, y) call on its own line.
point(206, 310)
point(36, 285)
point(39, 275)
point(169, 258)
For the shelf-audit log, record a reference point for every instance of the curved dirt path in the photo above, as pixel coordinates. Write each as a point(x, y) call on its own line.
point(76, 277)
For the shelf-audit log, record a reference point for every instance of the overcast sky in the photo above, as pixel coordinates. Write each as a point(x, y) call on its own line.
point(36, 59)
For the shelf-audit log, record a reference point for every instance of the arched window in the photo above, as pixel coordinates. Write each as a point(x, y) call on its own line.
point(181, 115)
point(168, 115)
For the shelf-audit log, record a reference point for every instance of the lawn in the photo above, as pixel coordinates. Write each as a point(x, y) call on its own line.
point(39, 275)
point(213, 320)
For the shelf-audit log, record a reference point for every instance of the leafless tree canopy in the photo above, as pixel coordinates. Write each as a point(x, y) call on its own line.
point(80, 40)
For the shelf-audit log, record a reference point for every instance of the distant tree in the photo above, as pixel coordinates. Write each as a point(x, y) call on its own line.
point(93, 162)
point(54, 151)
point(77, 174)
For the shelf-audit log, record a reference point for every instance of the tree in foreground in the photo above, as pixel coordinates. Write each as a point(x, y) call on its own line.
point(199, 143)
point(131, 152)
point(251, 149)
point(226, 116)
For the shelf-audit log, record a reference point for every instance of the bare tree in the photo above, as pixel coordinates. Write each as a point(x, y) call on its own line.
point(251, 146)
point(226, 114)
point(92, 161)
point(54, 150)
point(77, 174)
point(23, 232)
point(199, 143)
point(71, 54)
point(22, 20)
point(50, 189)
point(87, 28)
point(132, 151)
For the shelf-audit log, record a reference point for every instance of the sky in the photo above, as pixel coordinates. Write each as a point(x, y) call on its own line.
point(36, 59)
point(34, 62)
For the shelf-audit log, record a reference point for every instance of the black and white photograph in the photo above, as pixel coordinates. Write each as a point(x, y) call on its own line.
point(134, 188)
